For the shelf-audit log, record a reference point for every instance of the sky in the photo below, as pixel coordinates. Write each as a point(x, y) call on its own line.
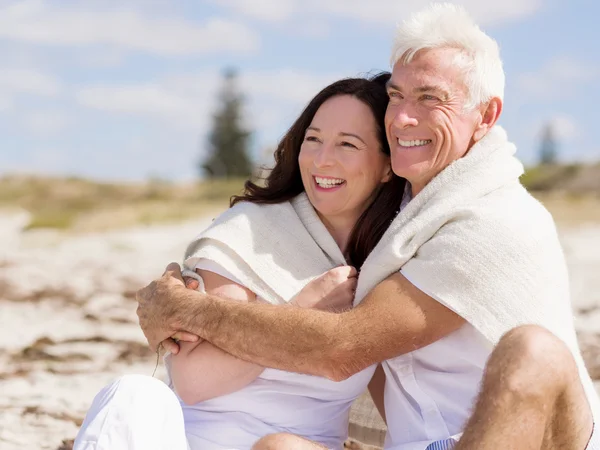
point(123, 90)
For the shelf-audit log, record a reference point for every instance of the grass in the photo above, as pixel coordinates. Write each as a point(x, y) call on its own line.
point(83, 205)
point(570, 192)
point(547, 178)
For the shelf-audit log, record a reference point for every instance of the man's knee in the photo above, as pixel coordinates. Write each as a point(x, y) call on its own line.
point(531, 361)
point(272, 442)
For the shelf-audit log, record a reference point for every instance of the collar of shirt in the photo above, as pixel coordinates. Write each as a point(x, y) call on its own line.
point(406, 195)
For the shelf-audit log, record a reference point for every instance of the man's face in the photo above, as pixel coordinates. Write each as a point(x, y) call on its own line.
point(426, 122)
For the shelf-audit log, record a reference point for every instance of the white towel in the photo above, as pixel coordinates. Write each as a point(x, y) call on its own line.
point(476, 240)
point(274, 250)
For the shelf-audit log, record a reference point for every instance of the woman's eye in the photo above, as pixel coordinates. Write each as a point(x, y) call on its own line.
point(348, 144)
point(311, 139)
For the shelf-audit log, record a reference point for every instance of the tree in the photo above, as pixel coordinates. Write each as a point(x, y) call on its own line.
point(228, 140)
point(548, 146)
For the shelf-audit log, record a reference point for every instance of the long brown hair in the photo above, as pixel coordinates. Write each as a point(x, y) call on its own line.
point(284, 181)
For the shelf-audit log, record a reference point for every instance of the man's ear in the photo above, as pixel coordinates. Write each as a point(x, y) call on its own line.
point(489, 117)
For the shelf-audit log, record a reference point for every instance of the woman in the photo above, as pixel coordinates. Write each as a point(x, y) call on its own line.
point(327, 202)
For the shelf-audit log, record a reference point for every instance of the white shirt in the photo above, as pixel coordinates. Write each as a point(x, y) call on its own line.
point(277, 401)
point(429, 393)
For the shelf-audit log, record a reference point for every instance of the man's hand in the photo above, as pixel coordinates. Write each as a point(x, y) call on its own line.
point(156, 310)
point(333, 291)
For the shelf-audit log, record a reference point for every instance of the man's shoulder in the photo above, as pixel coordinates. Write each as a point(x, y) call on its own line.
point(511, 210)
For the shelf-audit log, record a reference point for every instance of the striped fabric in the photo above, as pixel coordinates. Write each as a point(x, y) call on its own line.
point(446, 444)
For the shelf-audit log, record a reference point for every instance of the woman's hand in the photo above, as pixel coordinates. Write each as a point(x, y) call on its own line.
point(333, 291)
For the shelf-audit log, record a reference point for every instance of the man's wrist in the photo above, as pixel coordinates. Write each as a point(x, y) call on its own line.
point(184, 309)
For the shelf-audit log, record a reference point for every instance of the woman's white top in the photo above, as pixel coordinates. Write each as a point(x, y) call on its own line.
point(277, 401)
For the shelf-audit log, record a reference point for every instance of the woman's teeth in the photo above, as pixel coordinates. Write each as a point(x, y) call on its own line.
point(328, 182)
point(413, 143)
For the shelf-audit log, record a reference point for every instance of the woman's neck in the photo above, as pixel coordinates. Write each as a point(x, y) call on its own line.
point(340, 229)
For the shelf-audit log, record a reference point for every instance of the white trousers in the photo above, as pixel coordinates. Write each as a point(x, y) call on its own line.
point(134, 412)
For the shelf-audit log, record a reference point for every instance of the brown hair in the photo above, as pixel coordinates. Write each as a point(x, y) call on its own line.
point(284, 181)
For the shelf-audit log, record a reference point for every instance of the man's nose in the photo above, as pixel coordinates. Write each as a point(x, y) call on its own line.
point(405, 117)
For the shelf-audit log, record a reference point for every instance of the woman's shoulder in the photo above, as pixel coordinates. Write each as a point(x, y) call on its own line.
point(250, 210)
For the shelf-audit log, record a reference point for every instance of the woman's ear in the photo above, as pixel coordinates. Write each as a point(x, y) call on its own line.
point(387, 174)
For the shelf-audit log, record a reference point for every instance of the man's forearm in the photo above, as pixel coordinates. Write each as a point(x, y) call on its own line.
point(282, 337)
point(394, 318)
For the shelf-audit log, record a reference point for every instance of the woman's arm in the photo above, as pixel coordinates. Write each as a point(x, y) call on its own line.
point(201, 371)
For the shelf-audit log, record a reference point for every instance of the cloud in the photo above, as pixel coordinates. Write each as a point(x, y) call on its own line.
point(565, 127)
point(267, 10)
point(187, 100)
point(559, 77)
point(287, 85)
point(34, 22)
point(147, 100)
point(14, 82)
point(374, 12)
point(46, 122)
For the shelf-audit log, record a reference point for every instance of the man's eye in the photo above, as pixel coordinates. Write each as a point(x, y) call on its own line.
point(429, 97)
point(393, 94)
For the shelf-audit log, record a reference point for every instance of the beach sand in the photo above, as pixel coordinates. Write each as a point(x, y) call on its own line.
point(68, 324)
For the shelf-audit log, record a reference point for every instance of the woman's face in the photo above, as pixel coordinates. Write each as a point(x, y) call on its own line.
point(340, 159)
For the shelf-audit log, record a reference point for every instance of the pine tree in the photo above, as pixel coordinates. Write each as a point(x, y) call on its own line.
point(548, 146)
point(228, 141)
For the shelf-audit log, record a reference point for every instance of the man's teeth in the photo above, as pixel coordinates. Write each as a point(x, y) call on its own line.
point(328, 182)
point(413, 143)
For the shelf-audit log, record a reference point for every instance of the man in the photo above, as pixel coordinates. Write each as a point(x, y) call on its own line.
point(472, 256)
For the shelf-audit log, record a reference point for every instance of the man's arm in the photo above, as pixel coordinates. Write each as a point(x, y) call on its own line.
point(201, 371)
point(394, 319)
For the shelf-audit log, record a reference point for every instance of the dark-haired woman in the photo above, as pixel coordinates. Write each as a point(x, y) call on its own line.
point(331, 191)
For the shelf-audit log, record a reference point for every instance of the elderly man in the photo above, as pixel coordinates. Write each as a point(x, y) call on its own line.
point(472, 258)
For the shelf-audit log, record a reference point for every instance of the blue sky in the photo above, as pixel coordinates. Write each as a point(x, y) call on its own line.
point(125, 89)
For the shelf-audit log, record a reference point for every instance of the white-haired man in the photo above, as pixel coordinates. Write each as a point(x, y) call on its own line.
point(473, 259)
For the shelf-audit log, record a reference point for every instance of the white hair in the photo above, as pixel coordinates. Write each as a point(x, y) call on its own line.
point(449, 26)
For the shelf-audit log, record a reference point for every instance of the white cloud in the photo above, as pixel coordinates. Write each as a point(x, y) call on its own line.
point(267, 10)
point(28, 81)
point(286, 85)
point(46, 122)
point(148, 100)
point(14, 82)
point(377, 12)
point(187, 100)
point(34, 22)
point(565, 127)
point(102, 58)
point(557, 78)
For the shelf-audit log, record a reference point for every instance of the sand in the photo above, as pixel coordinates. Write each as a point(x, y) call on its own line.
point(68, 323)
